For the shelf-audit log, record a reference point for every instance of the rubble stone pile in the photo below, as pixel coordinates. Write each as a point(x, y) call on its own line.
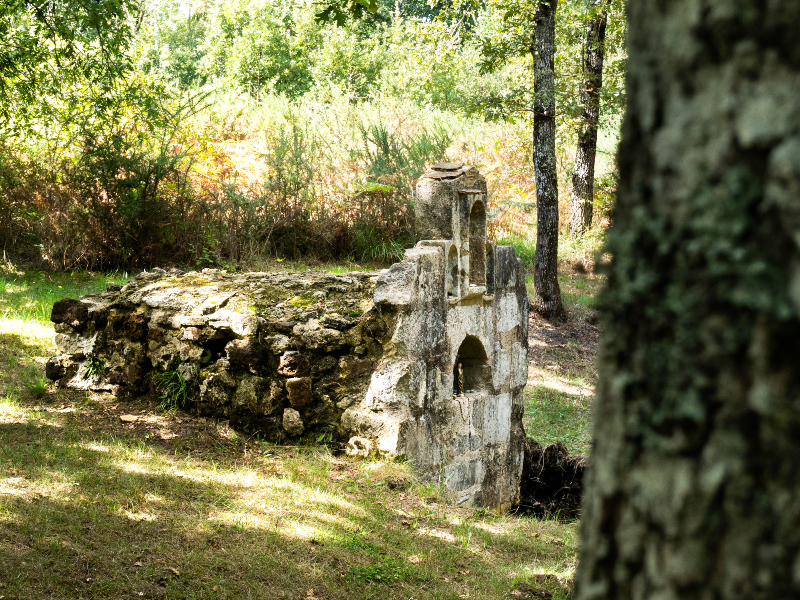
point(276, 353)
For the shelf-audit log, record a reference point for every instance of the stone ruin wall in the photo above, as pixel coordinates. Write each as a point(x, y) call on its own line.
point(424, 361)
point(281, 354)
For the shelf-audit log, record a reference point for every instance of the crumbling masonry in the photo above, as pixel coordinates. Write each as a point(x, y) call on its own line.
point(425, 361)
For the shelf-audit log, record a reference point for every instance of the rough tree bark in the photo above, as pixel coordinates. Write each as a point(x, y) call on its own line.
point(583, 173)
point(545, 278)
point(693, 489)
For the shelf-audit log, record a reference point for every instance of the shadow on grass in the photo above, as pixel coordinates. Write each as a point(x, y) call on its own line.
point(18, 365)
point(87, 515)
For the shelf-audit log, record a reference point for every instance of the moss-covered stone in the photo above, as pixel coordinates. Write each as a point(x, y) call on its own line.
point(237, 339)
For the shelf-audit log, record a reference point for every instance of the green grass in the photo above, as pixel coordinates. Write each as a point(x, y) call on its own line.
point(556, 416)
point(29, 296)
point(581, 249)
point(578, 293)
point(175, 506)
point(298, 266)
point(563, 371)
point(524, 247)
point(172, 389)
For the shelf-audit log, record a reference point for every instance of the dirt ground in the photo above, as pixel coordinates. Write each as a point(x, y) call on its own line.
point(562, 367)
point(567, 349)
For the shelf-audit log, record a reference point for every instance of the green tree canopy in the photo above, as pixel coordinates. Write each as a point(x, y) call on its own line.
point(47, 49)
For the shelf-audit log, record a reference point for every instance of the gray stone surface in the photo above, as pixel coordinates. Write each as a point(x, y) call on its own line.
point(249, 345)
point(424, 361)
point(292, 423)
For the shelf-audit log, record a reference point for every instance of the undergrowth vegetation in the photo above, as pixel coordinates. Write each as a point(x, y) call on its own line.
point(226, 133)
point(294, 186)
point(324, 180)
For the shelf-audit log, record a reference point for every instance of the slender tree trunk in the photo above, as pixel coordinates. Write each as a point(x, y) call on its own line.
point(693, 490)
point(583, 174)
point(548, 294)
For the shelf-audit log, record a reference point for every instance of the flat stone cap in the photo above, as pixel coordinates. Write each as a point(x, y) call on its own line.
point(453, 166)
point(452, 170)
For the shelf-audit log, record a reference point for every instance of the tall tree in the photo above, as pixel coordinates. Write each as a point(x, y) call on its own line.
point(694, 486)
point(592, 70)
point(47, 48)
point(548, 293)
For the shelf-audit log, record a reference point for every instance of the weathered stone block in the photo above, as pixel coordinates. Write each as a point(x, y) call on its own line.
point(261, 396)
point(294, 364)
point(315, 337)
point(359, 446)
point(191, 334)
point(292, 423)
point(354, 367)
point(72, 312)
point(322, 366)
point(336, 322)
point(397, 285)
point(283, 326)
point(244, 354)
point(299, 391)
point(60, 366)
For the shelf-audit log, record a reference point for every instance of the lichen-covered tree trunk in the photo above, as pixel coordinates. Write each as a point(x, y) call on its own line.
point(548, 293)
point(583, 173)
point(694, 483)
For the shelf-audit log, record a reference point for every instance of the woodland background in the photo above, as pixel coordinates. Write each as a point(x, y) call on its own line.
point(234, 133)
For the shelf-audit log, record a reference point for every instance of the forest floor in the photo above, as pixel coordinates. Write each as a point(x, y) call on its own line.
point(106, 499)
point(562, 369)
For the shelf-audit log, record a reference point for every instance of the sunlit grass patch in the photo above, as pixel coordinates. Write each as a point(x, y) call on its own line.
point(269, 264)
point(10, 408)
point(29, 296)
point(553, 415)
point(251, 523)
point(23, 348)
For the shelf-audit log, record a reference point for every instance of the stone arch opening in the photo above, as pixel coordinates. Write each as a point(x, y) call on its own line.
point(471, 371)
point(477, 244)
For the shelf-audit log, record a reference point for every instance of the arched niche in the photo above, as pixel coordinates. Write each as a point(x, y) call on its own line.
point(452, 272)
point(477, 244)
point(471, 370)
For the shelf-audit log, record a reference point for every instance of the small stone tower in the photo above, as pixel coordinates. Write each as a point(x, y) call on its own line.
point(451, 212)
